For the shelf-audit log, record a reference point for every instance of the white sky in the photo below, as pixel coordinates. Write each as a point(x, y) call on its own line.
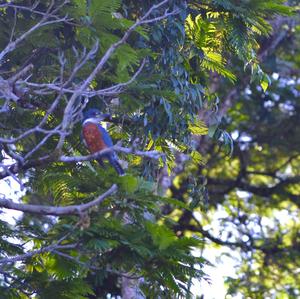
point(10, 189)
point(224, 266)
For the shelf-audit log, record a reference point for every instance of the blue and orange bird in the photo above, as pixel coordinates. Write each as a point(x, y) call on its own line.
point(97, 138)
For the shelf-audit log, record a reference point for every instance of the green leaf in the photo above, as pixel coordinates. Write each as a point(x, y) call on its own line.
point(161, 235)
point(212, 130)
point(198, 128)
point(265, 82)
point(129, 183)
point(197, 157)
point(175, 202)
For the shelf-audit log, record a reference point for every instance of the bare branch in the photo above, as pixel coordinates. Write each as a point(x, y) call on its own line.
point(45, 20)
point(61, 89)
point(164, 16)
point(14, 25)
point(14, 177)
point(113, 90)
point(82, 88)
point(17, 167)
point(31, 9)
point(6, 90)
point(41, 143)
point(20, 73)
point(37, 128)
point(56, 211)
point(29, 254)
point(116, 89)
point(148, 154)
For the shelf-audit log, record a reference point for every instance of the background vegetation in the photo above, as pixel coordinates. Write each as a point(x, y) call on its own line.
point(204, 97)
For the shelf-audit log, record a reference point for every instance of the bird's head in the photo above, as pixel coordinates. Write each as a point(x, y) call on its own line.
point(94, 115)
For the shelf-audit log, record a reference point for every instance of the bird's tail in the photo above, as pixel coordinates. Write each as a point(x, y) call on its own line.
point(116, 165)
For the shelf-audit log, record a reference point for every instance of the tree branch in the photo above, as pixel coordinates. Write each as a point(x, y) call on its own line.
point(148, 154)
point(20, 166)
point(11, 46)
point(66, 122)
point(29, 254)
point(56, 211)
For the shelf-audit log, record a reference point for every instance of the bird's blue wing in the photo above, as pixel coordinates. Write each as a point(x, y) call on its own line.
point(106, 138)
point(112, 156)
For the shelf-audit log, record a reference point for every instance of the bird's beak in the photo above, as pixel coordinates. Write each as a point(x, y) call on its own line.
point(104, 116)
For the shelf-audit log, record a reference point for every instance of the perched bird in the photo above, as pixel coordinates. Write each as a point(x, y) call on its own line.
point(97, 138)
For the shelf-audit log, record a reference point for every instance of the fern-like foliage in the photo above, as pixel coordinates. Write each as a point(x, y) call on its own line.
point(127, 234)
point(224, 23)
point(207, 38)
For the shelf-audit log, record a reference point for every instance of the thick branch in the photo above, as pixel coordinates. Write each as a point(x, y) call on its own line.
point(56, 211)
point(18, 167)
point(116, 148)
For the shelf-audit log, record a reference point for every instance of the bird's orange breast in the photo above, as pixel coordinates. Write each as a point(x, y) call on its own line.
point(93, 137)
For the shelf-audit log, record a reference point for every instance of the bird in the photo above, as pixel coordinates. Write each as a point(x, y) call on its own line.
point(96, 138)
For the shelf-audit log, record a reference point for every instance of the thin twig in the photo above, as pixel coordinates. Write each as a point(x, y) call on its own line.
point(91, 267)
point(14, 25)
point(29, 254)
point(66, 122)
point(113, 90)
point(11, 46)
